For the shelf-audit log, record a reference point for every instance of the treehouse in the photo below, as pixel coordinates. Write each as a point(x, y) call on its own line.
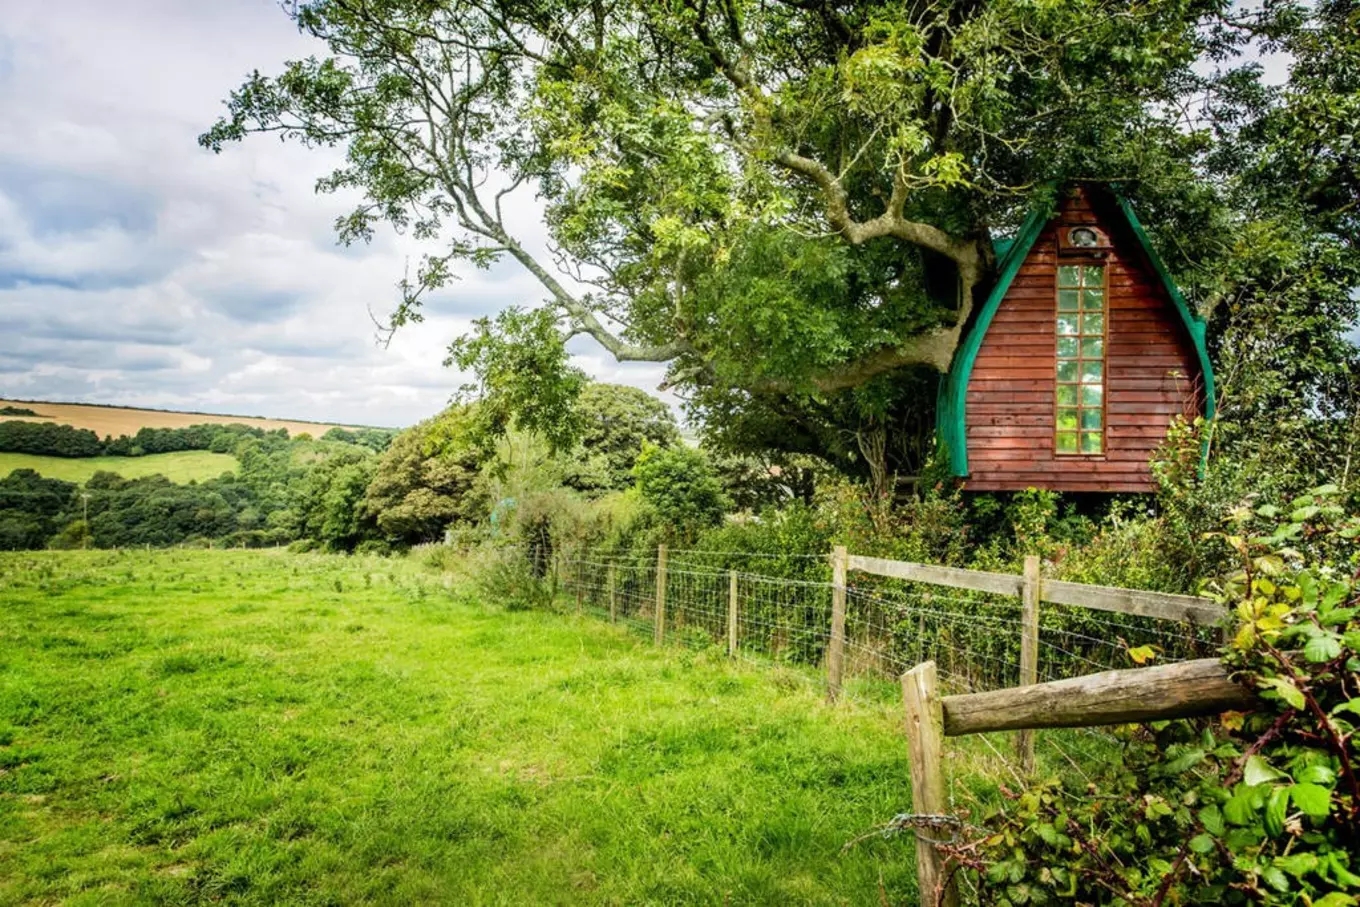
point(1070, 373)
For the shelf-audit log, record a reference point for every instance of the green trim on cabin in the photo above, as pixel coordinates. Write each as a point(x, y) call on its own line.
point(1193, 323)
point(952, 410)
point(953, 392)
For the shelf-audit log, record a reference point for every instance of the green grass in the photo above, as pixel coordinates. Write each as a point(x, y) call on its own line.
point(266, 728)
point(181, 467)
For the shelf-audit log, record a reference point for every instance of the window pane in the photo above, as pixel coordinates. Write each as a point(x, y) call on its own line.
point(1067, 442)
point(1069, 276)
point(1091, 394)
point(1090, 442)
point(1090, 418)
point(1067, 300)
point(1092, 299)
point(1091, 348)
point(1067, 370)
point(1095, 275)
point(1067, 347)
point(1092, 323)
point(1067, 420)
point(1092, 372)
point(1067, 324)
point(1067, 395)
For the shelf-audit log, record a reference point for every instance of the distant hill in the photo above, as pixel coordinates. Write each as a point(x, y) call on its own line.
point(179, 467)
point(127, 420)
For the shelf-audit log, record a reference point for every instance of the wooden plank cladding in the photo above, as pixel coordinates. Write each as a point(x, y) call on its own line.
point(1145, 368)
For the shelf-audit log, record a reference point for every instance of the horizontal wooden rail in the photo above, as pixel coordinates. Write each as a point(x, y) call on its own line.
point(1129, 601)
point(1184, 690)
point(977, 580)
point(1098, 598)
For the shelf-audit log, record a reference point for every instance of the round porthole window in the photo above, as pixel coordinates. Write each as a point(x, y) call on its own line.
point(1083, 238)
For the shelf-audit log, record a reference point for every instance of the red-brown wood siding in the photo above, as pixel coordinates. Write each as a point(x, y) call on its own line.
point(1152, 373)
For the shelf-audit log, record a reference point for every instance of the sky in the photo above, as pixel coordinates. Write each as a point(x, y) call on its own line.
point(138, 269)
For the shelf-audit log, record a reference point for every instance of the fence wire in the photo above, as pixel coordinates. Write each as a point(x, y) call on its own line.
point(783, 613)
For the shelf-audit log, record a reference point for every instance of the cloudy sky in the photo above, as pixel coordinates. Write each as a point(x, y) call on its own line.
point(139, 269)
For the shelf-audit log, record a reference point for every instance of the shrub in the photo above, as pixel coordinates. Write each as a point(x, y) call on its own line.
point(681, 485)
point(1256, 808)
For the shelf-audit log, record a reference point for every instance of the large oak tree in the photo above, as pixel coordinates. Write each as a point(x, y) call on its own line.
point(792, 203)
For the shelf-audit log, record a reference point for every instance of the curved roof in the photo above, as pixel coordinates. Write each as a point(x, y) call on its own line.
point(952, 409)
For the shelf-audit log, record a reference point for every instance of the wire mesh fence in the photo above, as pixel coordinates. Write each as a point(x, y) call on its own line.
point(779, 607)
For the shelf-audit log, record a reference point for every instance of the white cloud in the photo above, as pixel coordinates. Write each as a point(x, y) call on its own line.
point(137, 268)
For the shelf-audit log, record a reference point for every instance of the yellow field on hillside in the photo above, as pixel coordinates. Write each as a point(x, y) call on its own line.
point(123, 420)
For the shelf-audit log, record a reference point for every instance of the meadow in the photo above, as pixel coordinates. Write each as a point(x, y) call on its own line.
point(265, 727)
point(181, 466)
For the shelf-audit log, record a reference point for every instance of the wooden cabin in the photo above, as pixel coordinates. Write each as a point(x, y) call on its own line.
point(1070, 373)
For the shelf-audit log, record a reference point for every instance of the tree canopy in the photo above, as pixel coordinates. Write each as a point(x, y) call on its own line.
point(793, 202)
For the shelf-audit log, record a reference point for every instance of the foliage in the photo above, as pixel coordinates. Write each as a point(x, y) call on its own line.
point(208, 436)
point(422, 483)
point(375, 439)
point(8, 410)
point(681, 486)
point(49, 439)
point(30, 508)
point(616, 422)
point(524, 376)
point(1262, 807)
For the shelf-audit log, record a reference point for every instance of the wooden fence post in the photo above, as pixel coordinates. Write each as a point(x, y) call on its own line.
point(835, 655)
point(1029, 653)
point(613, 606)
point(660, 635)
point(925, 744)
point(732, 614)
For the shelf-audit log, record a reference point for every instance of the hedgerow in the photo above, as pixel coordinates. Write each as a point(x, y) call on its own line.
point(1261, 807)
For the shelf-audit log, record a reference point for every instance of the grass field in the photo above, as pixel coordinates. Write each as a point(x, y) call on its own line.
point(266, 728)
point(127, 420)
point(184, 466)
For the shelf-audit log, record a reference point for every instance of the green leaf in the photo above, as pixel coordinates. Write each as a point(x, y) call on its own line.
point(1276, 808)
point(1286, 690)
point(1335, 899)
point(1335, 594)
point(1048, 833)
point(1298, 865)
point(1211, 817)
point(1275, 878)
point(1336, 865)
point(1314, 800)
point(1240, 808)
point(1317, 773)
point(1259, 771)
point(1202, 844)
point(1308, 587)
point(1184, 761)
point(1323, 647)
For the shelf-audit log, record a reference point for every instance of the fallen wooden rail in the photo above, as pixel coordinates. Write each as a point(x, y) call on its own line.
point(1185, 690)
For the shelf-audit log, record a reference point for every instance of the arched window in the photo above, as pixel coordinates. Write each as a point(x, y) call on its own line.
point(1079, 425)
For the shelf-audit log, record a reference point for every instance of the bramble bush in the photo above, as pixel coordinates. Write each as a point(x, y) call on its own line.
point(1254, 808)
